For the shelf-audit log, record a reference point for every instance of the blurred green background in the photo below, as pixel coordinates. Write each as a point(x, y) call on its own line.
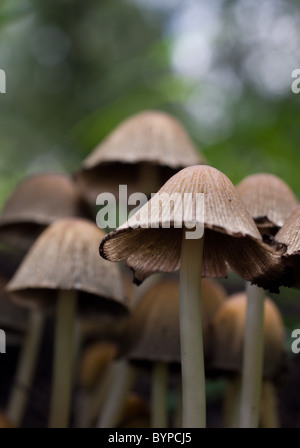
point(76, 69)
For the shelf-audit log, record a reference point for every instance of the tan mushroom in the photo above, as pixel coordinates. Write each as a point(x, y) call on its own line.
point(269, 201)
point(38, 201)
point(153, 240)
point(63, 268)
point(227, 337)
point(142, 153)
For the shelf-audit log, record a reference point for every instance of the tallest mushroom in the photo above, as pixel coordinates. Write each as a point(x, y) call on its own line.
point(156, 239)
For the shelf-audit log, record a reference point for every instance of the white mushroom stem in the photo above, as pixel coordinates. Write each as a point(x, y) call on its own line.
point(159, 395)
point(252, 372)
point(191, 339)
point(26, 368)
point(63, 359)
point(123, 376)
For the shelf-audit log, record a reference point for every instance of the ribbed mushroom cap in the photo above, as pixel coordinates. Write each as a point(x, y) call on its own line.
point(153, 328)
point(37, 202)
point(227, 335)
point(268, 199)
point(65, 257)
point(152, 138)
point(231, 236)
point(289, 234)
point(93, 362)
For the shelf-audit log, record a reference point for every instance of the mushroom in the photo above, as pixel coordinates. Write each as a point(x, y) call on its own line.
point(227, 342)
point(141, 153)
point(269, 201)
point(38, 201)
point(62, 265)
point(154, 240)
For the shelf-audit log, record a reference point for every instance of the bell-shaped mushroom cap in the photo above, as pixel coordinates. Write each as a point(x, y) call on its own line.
point(38, 201)
point(268, 199)
point(231, 236)
point(65, 257)
point(94, 360)
point(152, 138)
point(227, 335)
point(153, 328)
point(289, 234)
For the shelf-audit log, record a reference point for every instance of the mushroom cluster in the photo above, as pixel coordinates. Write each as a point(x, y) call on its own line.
point(122, 348)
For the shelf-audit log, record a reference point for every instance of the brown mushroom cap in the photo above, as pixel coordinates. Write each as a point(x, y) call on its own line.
point(268, 199)
point(227, 335)
point(37, 202)
point(231, 236)
point(153, 328)
point(65, 257)
point(289, 234)
point(152, 138)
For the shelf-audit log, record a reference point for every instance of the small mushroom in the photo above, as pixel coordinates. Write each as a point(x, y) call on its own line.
point(142, 153)
point(227, 337)
point(269, 201)
point(154, 240)
point(62, 267)
point(38, 201)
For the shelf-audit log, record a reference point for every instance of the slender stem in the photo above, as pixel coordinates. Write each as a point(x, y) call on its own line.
point(26, 368)
point(269, 408)
point(123, 376)
point(252, 358)
point(192, 359)
point(63, 359)
point(232, 403)
point(159, 395)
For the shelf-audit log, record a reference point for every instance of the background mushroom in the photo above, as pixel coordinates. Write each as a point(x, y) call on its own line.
point(227, 337)
point(269, 200)
point(38, 201)
point(141, 153)
point(63, 266)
